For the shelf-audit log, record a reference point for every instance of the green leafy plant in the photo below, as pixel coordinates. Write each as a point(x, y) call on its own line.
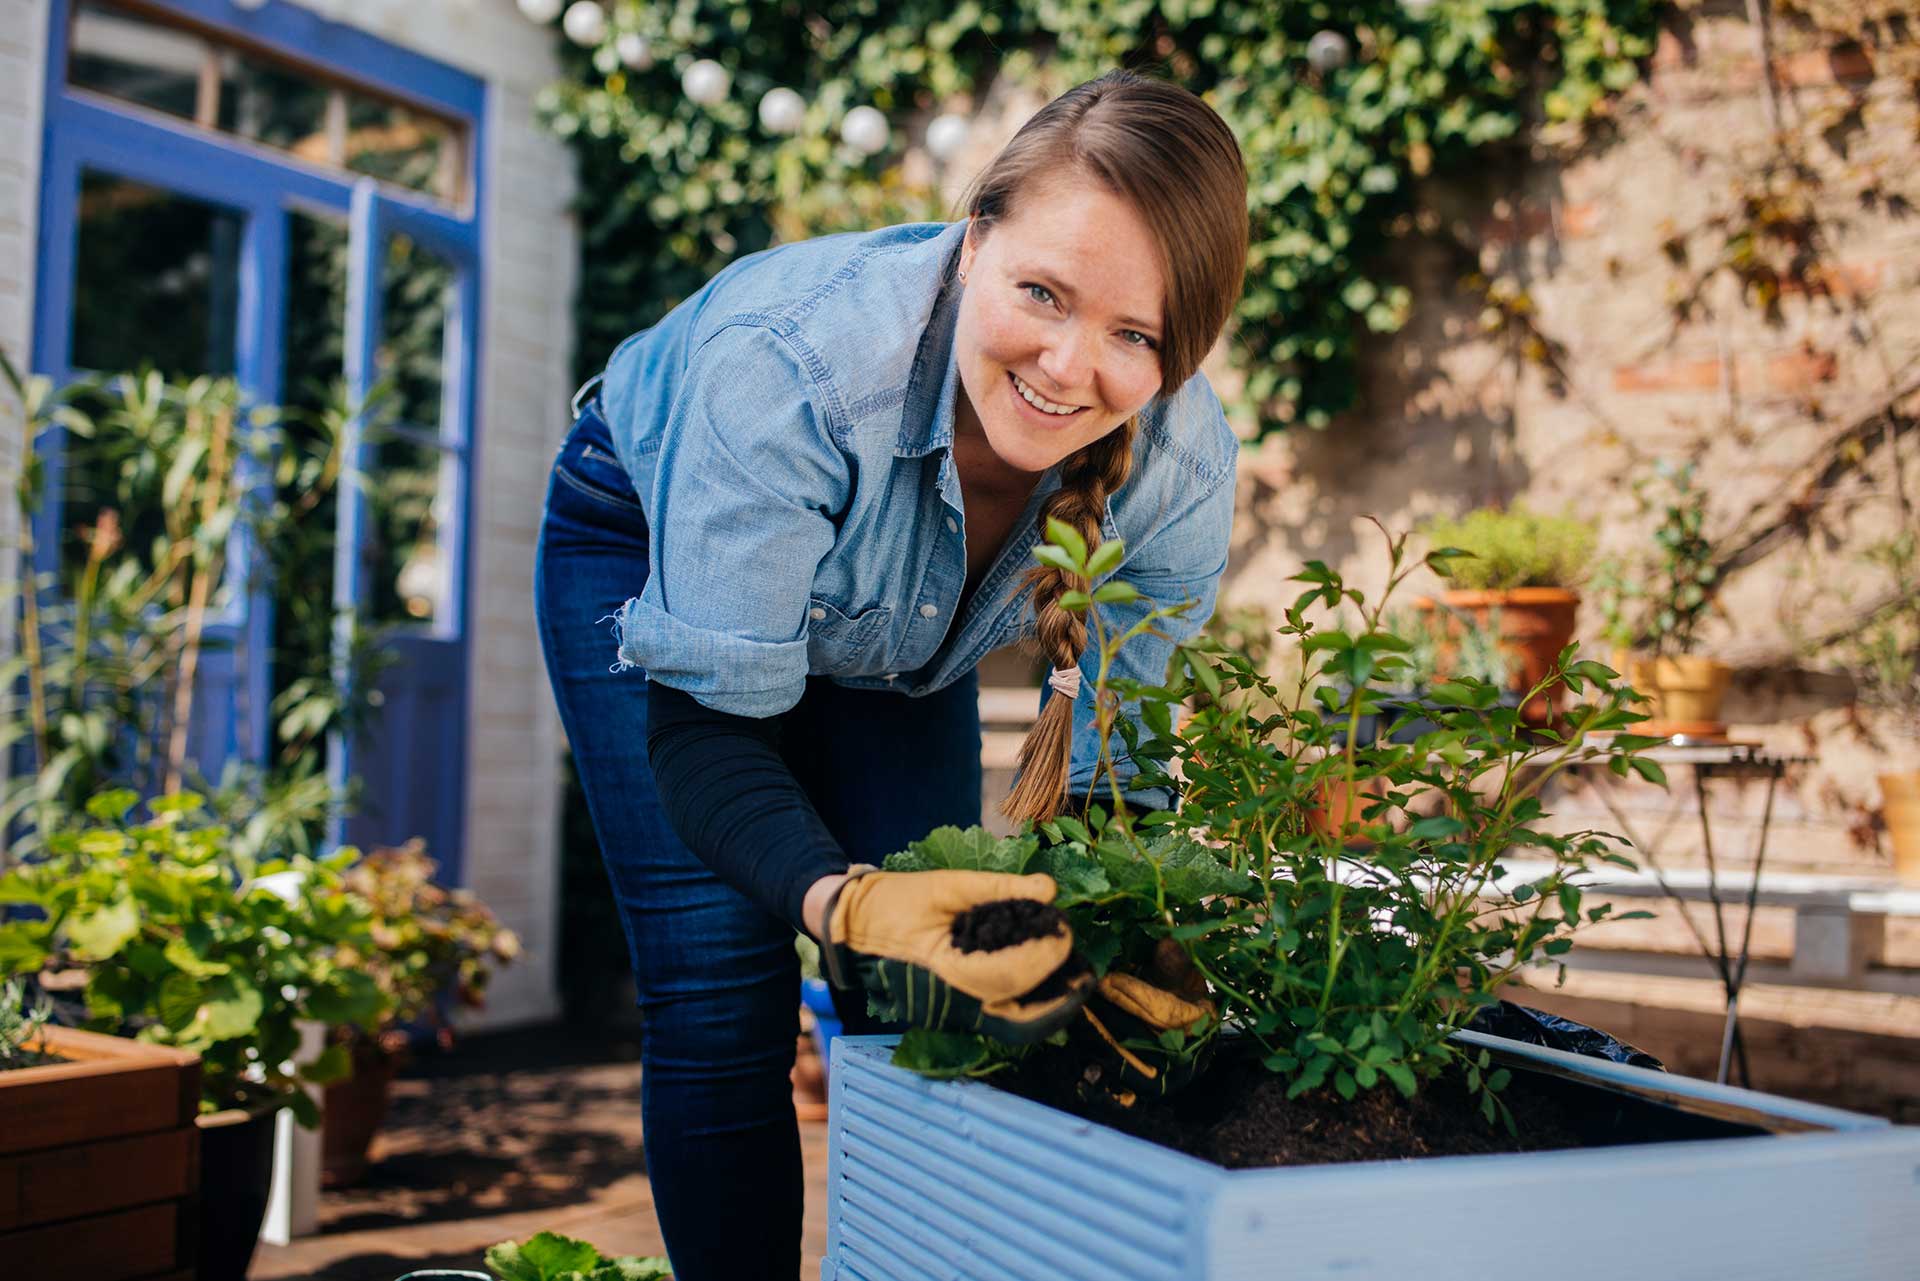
point(552, 1257)
point(1513, 547)
point(159, 478)
point(1343, 953)
point(1658, 597)
point(423, 939)
point(672, 190)
point(178, 940)
point(21, 1018)
point(1885, 653)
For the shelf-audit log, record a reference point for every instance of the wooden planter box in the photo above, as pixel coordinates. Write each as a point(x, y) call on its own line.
point(964, 1182)
point(100, 1161)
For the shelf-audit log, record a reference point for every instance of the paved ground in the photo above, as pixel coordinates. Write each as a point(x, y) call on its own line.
point(510, 1134)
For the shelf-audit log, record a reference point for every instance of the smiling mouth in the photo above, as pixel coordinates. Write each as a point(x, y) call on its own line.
point(1013, 382)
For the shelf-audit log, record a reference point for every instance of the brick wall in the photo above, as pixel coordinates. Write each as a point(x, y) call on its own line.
point(513, 790)
point(1453, 418)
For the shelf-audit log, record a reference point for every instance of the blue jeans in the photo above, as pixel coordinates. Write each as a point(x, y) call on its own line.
point(717, 976)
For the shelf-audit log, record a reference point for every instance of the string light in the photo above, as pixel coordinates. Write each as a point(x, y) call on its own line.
point(706, 82)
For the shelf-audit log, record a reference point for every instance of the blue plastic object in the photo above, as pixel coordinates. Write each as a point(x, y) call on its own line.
point(818, 997)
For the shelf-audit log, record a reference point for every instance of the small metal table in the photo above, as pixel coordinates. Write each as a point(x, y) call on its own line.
point(1715, 760)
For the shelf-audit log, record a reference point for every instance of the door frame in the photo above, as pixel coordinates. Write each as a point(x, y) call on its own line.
point(88, 132)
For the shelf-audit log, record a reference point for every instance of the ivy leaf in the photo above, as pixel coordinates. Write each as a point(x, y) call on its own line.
point(231, 1011)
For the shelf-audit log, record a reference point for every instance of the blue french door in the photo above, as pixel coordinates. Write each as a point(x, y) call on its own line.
point(400, 563)
point(406, 322)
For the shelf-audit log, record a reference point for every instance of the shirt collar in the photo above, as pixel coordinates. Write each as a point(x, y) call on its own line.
point(933, 387)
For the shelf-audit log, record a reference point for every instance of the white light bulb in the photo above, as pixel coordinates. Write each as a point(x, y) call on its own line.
point(865, 130)
point(706, 82)
point(633, 50)
point(782, 110)
point(540, 11)
point(946, 134)
point(585, 23)
point(1327, 51)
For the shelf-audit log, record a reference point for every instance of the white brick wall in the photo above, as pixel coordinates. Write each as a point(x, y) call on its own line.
point(513, 789)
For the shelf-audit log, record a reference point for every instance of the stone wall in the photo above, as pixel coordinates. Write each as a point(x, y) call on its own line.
point(1575, 370)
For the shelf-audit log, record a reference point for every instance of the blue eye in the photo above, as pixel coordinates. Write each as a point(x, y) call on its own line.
point(1145, 343)
point(1031, 288)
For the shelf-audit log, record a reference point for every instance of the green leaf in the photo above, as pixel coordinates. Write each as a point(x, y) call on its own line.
point(20, 951)
point(541, 1258)
point(102, 933)
point(1105, 557)
point(1074, 600)
point(970, 849)
point(180, 955)
point(1402, 1077)
point(1068, 538)
point(1118, 592)
point(231, 1011)
point(178, 1001)
point(349, 997)
point(1192, 871)
point(1057, 559)
point(1077, 877)
point(631, 1267)
point(335, 1063)
point(940, 1054)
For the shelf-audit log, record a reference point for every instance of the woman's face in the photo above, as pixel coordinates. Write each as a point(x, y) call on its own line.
point(1063, 302)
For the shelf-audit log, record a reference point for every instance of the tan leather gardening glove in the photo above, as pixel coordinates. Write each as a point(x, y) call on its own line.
point(909, 939)
point(1129, 1012)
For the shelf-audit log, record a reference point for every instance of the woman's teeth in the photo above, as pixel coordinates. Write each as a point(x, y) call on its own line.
point(1040, 402)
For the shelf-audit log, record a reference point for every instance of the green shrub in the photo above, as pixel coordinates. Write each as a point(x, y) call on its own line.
point(1513, 547)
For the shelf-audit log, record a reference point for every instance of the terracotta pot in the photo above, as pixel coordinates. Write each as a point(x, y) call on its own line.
point(1341, 806)
point(1900, 794)
point(1684, 694)
point(352, 1112)
point(1535, 625)
point(236, 1172)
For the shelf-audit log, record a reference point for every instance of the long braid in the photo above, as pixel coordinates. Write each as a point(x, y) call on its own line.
point(1087, 478)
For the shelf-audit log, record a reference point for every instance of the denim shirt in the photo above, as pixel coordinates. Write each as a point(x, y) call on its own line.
point(789, 432)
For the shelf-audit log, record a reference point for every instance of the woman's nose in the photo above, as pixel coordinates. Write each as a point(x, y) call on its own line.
point(1067, 363)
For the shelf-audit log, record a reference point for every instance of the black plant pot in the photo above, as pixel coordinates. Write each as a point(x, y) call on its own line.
point(236, 1173)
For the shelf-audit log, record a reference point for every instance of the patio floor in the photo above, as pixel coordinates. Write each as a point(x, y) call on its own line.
point(512, 1133)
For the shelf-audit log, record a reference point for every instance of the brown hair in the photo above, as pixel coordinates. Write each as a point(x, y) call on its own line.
point(1167, 153)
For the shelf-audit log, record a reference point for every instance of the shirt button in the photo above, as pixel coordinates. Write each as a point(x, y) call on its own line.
point(816, 613)
point(953, 526)
point(928, 611)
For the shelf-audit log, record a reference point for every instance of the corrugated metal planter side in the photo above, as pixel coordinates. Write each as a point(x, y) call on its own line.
point(959, 1181)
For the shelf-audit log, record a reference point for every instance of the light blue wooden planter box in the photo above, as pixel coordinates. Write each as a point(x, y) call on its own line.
point(958, 1181)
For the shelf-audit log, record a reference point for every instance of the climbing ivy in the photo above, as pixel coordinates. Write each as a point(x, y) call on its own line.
point(671, 190)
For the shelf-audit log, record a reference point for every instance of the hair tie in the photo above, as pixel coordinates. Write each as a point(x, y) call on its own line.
point(1066, 680)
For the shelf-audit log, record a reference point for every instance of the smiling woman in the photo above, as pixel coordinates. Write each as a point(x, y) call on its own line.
point(807, 500)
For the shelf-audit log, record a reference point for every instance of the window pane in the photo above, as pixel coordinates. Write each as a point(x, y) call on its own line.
point(411, 485)
point(400, 146)
point(416, 290)
point(115, 52)
point(156, 281)
point(275, 105)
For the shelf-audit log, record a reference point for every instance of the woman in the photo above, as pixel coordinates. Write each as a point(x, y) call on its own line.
point(807, 501)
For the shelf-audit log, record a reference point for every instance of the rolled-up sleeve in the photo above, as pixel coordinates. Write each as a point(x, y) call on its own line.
point(740, 513)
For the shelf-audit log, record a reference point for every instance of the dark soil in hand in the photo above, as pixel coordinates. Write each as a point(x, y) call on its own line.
point(1237, 1114)
point(1005, 922)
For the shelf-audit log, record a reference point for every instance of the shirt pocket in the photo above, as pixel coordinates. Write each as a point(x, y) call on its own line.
point(838, 642)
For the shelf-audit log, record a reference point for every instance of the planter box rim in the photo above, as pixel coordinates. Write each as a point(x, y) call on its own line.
point(90, 1053)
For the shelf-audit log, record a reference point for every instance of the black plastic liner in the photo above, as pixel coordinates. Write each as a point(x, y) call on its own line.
point(1537, 1027)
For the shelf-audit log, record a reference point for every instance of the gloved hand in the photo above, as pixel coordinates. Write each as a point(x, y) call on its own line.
point(921, 944)
point(1130, 1008)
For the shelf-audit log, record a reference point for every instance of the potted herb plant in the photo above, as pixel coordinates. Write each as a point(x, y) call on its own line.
point(97, 1148)
point(425, 944)
point(1521, 568)
point(174, 938)
point(1327, 996)
point(1657, 608)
